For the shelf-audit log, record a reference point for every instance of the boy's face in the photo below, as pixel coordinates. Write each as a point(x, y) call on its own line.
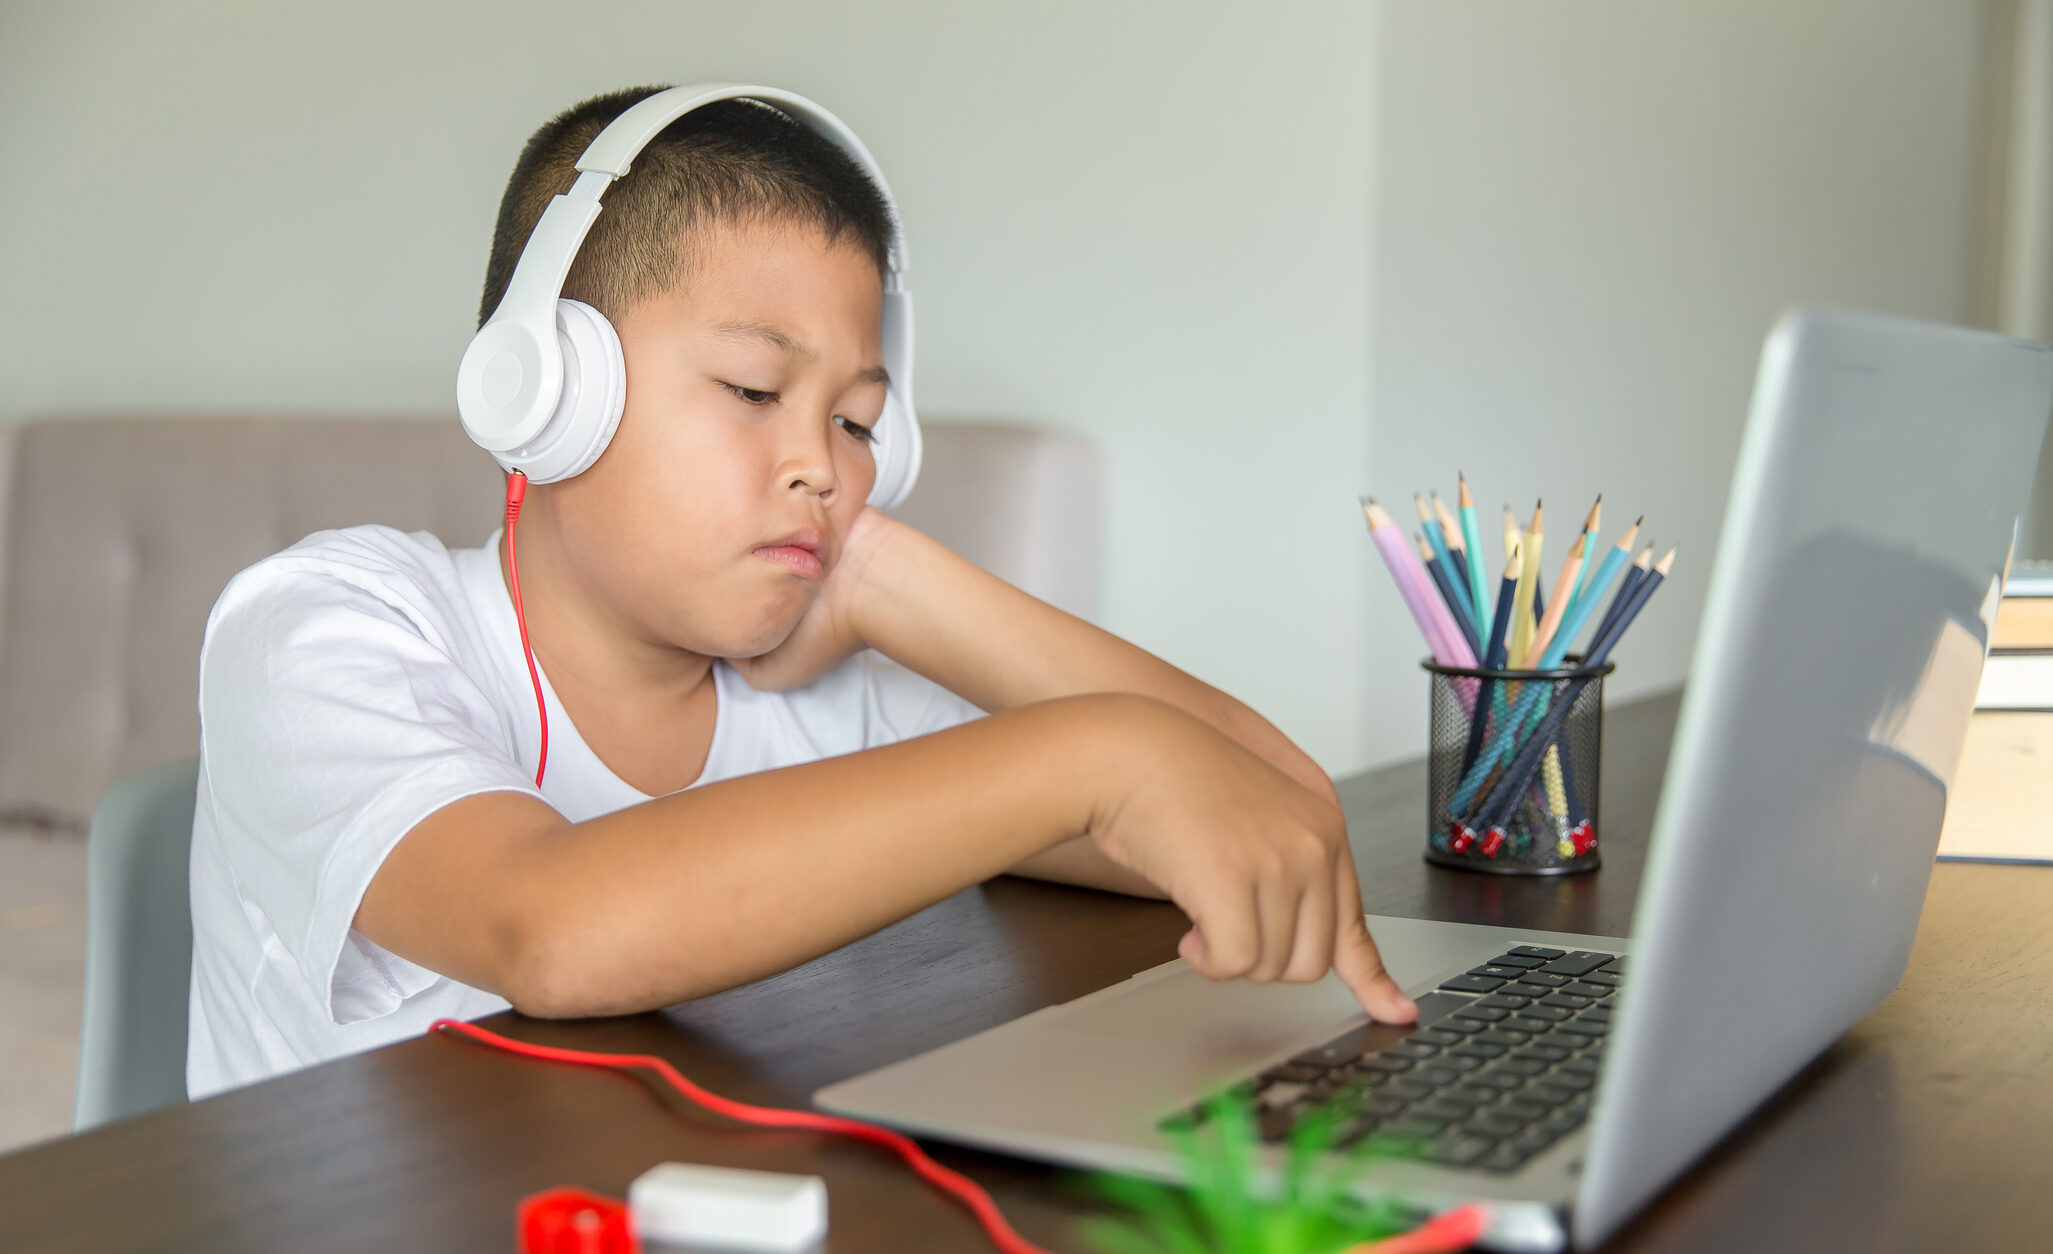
point(741, 444)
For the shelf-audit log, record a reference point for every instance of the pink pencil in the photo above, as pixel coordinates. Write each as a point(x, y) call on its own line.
point(1383, 530)
point(1435, 621)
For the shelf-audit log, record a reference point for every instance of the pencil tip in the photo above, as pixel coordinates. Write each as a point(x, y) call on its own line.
point(1637, 521)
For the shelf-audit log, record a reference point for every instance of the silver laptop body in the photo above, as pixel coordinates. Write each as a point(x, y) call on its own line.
point(1880, 480)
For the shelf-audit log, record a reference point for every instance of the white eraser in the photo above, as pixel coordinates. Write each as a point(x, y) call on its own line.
point(690, 1204)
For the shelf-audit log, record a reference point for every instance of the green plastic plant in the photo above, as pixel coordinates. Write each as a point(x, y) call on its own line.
point(1310, 1209)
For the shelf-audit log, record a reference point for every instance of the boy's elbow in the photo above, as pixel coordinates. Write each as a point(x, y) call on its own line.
point(551, 972)
point(540, 998)
point(541, 979)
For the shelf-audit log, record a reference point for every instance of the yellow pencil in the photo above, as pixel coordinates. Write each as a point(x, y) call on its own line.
point(1528, 581)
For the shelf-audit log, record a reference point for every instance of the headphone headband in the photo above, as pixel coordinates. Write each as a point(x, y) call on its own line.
point(550, 414)
point(613, 150)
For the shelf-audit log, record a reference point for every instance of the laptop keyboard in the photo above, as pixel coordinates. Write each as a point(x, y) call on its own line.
point(1499, 1065)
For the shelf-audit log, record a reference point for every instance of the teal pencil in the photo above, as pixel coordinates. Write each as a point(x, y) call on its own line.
point(1477, 591)
point(1590, 525)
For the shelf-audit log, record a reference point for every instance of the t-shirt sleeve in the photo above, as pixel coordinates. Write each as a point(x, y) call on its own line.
point(334, 717)
point(903, 704)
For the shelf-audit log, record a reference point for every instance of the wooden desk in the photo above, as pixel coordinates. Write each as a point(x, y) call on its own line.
point(1928, 1128)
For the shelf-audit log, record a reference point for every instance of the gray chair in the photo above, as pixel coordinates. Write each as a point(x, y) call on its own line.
point(118, 536)
point(131, 1049)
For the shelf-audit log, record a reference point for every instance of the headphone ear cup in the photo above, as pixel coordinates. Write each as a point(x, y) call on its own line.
point(898, 449)
point(588, 408)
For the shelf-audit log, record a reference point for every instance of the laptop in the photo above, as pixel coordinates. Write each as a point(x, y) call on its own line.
point(1564, 1079)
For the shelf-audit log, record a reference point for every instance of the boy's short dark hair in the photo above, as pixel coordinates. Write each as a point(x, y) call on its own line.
point(731, 161)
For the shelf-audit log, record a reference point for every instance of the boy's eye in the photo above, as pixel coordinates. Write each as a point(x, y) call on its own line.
point(751, 396)
point(856, 429)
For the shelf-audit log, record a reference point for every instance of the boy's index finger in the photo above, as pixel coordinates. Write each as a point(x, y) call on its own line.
point(1360, 967)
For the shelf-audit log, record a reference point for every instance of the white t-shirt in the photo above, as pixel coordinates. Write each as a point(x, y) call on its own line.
point(351, 686)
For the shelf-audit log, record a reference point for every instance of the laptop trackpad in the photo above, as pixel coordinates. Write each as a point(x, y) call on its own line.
point(1228, 1018)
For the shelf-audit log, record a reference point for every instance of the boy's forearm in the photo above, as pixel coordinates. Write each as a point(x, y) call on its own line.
point(781, 867)
point(978, 636)
point(1078, 861)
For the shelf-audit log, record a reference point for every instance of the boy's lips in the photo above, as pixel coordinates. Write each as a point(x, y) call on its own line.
point(798, 552)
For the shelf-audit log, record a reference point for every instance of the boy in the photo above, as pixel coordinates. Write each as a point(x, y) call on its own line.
point(768, 702)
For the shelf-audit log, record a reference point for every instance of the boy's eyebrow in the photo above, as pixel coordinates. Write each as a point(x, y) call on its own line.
point(777, 338)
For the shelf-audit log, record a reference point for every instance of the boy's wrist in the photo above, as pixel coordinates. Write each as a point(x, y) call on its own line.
point(892, 564)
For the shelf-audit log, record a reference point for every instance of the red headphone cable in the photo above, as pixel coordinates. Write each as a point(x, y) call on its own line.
point(953, 1182)
point(516, 492)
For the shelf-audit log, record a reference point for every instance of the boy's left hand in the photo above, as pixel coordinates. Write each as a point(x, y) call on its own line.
point(827, 632)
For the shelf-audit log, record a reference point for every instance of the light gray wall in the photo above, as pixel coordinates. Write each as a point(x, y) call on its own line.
point(1140, 221)
point(1587, 214)
point(1268, 256)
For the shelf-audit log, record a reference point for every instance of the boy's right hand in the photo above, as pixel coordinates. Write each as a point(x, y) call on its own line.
point(1260, 863)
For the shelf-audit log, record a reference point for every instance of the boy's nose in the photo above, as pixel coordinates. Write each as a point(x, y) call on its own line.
point(808, 462)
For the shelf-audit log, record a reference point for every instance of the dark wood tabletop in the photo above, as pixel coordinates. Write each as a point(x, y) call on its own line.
point(1928, 1128)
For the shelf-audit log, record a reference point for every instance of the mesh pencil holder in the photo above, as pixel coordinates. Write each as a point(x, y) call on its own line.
point(1514, 766)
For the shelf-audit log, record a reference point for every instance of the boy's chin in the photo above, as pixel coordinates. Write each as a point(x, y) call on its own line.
point(739, 645)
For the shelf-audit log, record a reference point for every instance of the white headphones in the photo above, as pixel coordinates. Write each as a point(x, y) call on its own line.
point(542, 382)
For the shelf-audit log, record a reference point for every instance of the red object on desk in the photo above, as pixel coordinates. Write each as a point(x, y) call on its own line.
point(574, 1221)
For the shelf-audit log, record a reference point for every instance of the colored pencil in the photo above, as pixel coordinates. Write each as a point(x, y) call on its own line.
point(1554, 777)
point(1493, 659)
point(1528, 588)
point(1444, 582)
point(1591, 521)
point(1478, 593)
point(1434, 534)
point(1614, 631)
point(1564, 596)
point(1442, 636)
point(1456, 601)
point(1558, 753)
point(1457, 549)
point(1555, 781)
point(1381, 528)
point(1633, 574)
point(1572, 625)
point(1500, 627)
